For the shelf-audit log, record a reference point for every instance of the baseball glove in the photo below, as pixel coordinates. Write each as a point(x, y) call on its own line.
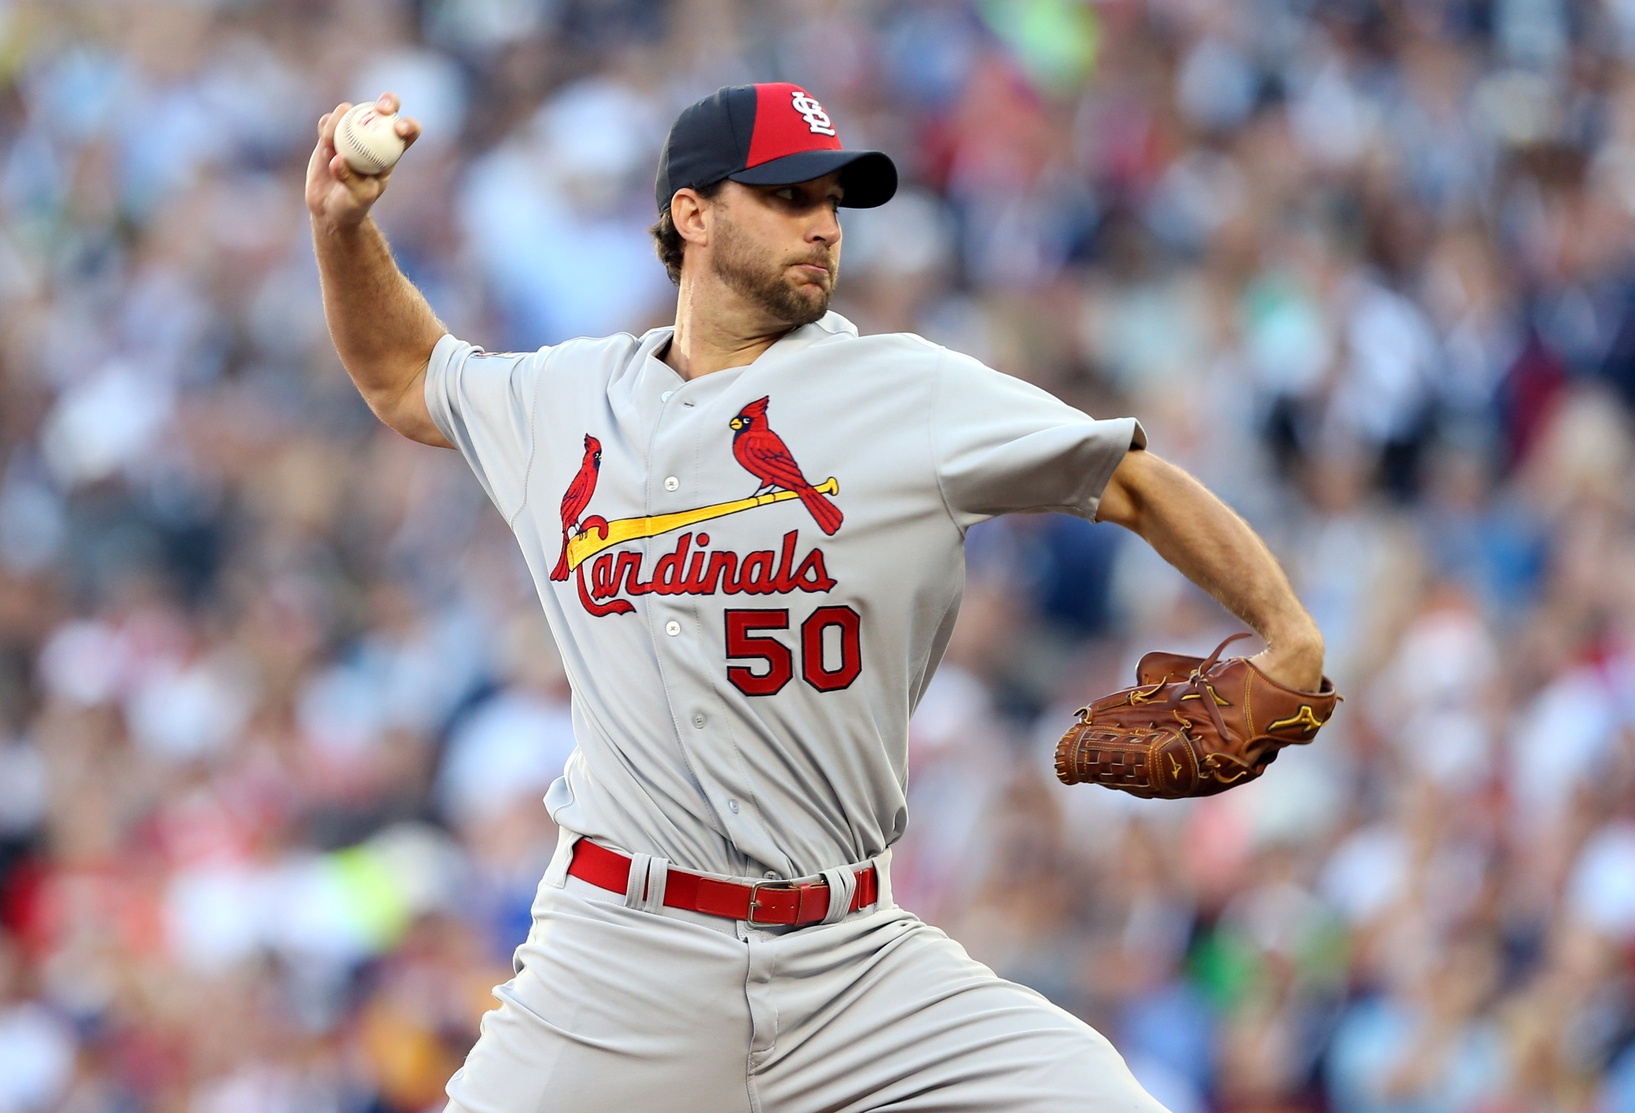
point(1192, 726)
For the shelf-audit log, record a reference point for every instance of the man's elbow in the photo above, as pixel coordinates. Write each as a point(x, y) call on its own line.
point(416, 427)
point(1128, 492)
point(404, 411)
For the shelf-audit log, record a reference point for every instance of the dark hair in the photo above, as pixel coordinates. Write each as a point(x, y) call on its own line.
point(668, 242)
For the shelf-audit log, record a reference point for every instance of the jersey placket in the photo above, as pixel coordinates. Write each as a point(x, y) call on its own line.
point(683, 449)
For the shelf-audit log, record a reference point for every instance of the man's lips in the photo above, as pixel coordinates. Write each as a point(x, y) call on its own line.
point(813, 270)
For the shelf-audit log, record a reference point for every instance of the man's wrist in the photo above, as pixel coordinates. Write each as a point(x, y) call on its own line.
point(331, 227)
point(1303, 640)
point(1296, 655)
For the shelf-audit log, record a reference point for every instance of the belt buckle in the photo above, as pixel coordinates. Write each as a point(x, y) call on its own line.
point(755, 896)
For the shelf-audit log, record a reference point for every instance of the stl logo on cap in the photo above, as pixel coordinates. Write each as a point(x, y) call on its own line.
point(773, 133)
point(812, 112)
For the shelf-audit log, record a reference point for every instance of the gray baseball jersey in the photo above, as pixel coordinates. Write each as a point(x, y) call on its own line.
point(752, 575)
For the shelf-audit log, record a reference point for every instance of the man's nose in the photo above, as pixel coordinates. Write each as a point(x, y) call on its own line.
point(825, 227)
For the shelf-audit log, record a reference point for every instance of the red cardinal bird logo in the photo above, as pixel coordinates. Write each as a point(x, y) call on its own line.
point(764, 455)
point(577, 498)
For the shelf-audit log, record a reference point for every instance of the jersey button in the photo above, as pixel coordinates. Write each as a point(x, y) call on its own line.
point(733, 804)
point(671, 483)
point(665, 397)
point(672, 627)
point(698, 721)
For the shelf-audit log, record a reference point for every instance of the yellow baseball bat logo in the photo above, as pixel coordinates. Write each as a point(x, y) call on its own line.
point(598, 536)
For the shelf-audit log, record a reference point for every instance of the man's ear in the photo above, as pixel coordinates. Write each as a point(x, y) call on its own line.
point(687, 213)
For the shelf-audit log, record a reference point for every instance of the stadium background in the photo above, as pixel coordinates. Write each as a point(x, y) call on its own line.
point(277, 706)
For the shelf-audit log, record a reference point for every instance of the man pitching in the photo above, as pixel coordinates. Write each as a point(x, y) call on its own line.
point(747, 531)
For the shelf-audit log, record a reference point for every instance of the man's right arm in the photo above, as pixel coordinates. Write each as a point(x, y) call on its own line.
point(382, 327)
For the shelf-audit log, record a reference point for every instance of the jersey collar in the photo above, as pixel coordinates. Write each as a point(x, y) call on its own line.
point(830, 324)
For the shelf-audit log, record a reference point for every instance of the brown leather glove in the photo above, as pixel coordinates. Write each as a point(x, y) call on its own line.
point(1192, 726)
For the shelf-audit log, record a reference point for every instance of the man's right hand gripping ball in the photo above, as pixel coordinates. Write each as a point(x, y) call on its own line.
point(339, 197)
point(1190, 727)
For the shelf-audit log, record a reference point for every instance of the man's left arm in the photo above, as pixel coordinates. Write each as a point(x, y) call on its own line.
point(1208, 543)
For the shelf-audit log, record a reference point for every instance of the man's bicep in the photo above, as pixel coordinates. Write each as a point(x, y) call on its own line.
point(1004, 445)
point(482, 404)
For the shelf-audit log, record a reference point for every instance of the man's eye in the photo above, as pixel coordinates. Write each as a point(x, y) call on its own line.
point(786, 194)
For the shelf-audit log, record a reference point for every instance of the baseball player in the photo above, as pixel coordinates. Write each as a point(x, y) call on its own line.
point(746, 531)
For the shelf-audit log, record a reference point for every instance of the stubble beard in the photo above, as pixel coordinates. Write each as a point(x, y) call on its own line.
point(764, 281)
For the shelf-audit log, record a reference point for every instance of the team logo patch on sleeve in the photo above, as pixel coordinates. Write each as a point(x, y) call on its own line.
point(606, 579)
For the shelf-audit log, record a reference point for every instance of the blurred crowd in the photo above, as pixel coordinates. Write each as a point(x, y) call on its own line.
point(277, 705)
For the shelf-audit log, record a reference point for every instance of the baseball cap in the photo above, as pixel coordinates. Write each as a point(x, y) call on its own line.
point(772, 134)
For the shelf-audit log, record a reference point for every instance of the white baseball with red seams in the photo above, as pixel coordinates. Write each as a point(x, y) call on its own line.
point(367, 139)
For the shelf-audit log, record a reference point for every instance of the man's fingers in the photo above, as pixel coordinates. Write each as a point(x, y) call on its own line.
point(316, 163)
point(406, 127)
point(331, 120)
point(356, 192)
point(350, 179)
point(363, 188)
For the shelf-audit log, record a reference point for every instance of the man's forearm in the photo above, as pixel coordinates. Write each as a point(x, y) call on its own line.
point(382, 327)
point(1206, 541)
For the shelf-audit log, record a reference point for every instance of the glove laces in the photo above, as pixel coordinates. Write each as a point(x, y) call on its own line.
point(1200, 687)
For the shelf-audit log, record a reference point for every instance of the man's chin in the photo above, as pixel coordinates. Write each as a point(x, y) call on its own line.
point(806, 302)
point(815, 313)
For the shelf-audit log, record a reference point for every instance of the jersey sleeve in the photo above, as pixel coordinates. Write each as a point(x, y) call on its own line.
point(483, 403)
point(1003, 445)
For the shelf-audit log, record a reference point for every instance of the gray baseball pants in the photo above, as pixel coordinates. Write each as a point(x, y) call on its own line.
point(616, 1009)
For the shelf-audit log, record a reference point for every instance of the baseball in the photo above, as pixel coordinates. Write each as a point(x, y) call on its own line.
point(367, 139)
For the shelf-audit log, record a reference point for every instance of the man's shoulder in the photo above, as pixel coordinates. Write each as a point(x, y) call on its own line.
point(838, 330)
point(616, 347)
point(587, 358)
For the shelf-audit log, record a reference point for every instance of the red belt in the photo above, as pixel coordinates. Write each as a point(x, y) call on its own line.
point(760, 903)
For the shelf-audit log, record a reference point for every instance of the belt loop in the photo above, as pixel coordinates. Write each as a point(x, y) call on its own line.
point(882, 879)
point(658, 875)
point(556, 874)
point(635, 887)
point(842, 886)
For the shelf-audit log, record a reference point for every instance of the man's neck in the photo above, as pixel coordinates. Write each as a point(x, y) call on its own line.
point(719, 332)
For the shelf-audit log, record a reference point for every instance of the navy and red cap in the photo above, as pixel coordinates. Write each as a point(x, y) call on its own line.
point(773, 134)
